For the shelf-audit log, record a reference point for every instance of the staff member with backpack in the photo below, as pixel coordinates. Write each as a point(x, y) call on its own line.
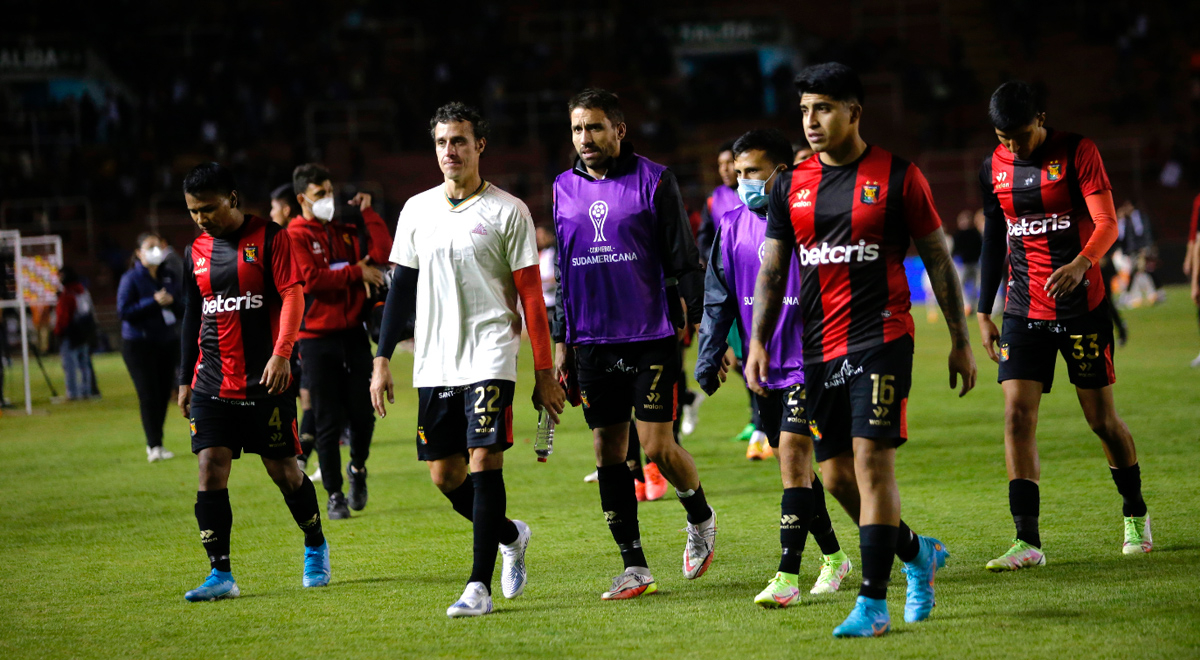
point(333, 258)
point(150, 305)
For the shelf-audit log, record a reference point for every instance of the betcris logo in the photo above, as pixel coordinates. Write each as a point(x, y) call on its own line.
point(838, 254)
point(233, 304)
point(1038, 225)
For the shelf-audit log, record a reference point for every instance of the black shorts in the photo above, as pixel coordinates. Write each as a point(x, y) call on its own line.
point(644, 376)
point(782, 411)
point(266, 427)
point(860, 395)
point(451, 420)
point(1028, 347)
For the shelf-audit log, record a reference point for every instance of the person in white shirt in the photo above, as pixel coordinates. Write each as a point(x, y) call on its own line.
point(464, 253)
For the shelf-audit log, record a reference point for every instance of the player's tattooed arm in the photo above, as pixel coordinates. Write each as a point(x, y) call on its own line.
point(943, 277)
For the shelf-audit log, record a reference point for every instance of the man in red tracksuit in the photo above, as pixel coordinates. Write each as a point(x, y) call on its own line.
point(333, 258)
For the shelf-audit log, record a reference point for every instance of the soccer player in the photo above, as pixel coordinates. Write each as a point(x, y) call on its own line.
point(464, 252)
point(242, 309)
point(848, 215)
point(1048, 192)
point(334, 258)
point(759, 157)
point(622, 232)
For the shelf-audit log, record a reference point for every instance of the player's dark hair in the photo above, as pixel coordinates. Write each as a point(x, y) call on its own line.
point(833, 79)
point(306, 174)
point(726, 146)
point(594, 98)
point(1014, 104)
point(285, 193)
point(67, 275)
point(772, 142)
point(209, 178)
point(456, 111)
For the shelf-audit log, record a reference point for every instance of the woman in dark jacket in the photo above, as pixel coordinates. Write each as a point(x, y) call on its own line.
point(150, 303)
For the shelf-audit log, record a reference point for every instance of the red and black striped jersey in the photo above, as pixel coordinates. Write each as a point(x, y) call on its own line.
point(1040, 202)
point(851, 226)
point(233, 284)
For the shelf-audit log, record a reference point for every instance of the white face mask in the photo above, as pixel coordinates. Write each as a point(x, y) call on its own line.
point(322, 208)
point(154, 256)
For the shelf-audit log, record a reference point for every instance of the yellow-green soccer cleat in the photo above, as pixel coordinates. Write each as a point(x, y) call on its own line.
point(1137, 535)
point(834, 569)
point(1020, 555)
point(781, 591)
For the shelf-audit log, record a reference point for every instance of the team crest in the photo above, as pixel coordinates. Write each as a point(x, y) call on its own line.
point(1054, 171)
point(250, 254)
point(193, 425)
point(870, 192)
point(1004, 352)
point(583, 398)
point(421, 435)
point(346, 238)
point(816, 433)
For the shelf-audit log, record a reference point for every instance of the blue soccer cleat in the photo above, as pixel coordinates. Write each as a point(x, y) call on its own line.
point(218, 585)
point(869, 618)
point(919, 600)
point(316, 565)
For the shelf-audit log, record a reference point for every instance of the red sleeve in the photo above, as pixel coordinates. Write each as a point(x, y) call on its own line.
point(529, 286)
point(919, 211)
point(63, 312)
point(1192, 228)
point(315, 276)
point(1092, 177)
point(380, 248)
point(283, 267)
point(1104, 215)
point(290, 315)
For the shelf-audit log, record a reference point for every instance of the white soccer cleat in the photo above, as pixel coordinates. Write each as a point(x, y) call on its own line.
point(701, 545)
point(633, 582)
point(315, 476)
point(475, 601)
point(592, 477)
point(152, 454)
point(164, 455)
point(1196, 362)
point(691, 415)
point(512, 578)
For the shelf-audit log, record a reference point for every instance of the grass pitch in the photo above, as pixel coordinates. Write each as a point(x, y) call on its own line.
point(99, 546)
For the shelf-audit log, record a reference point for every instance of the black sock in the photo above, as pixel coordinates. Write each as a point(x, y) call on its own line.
point(877, 543)
point(821, 526)
point(695, 505)
point(619, 503)
point(306, 512)
point(215, 518)
point(490, 502)
point(637, 472)
point(308, 433)
point(908, 544)
point(1129, 485)
point(795, 513)
point(1025, 502)
point(463, 499)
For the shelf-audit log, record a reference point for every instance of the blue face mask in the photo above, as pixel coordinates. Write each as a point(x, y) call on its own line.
point(753, 192)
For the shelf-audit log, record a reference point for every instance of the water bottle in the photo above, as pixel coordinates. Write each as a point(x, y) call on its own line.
point(544, 445)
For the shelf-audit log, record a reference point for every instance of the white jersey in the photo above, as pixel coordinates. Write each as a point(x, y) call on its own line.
point(468, 324)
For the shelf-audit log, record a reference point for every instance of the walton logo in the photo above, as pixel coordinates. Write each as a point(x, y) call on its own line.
point(880, 411)
point(1037, 225)
point(762, 251)
point(802, 199)
point(598, 214)
point(839, 254)
point(233, 304)
point(200, 268)
point(1002, 182)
